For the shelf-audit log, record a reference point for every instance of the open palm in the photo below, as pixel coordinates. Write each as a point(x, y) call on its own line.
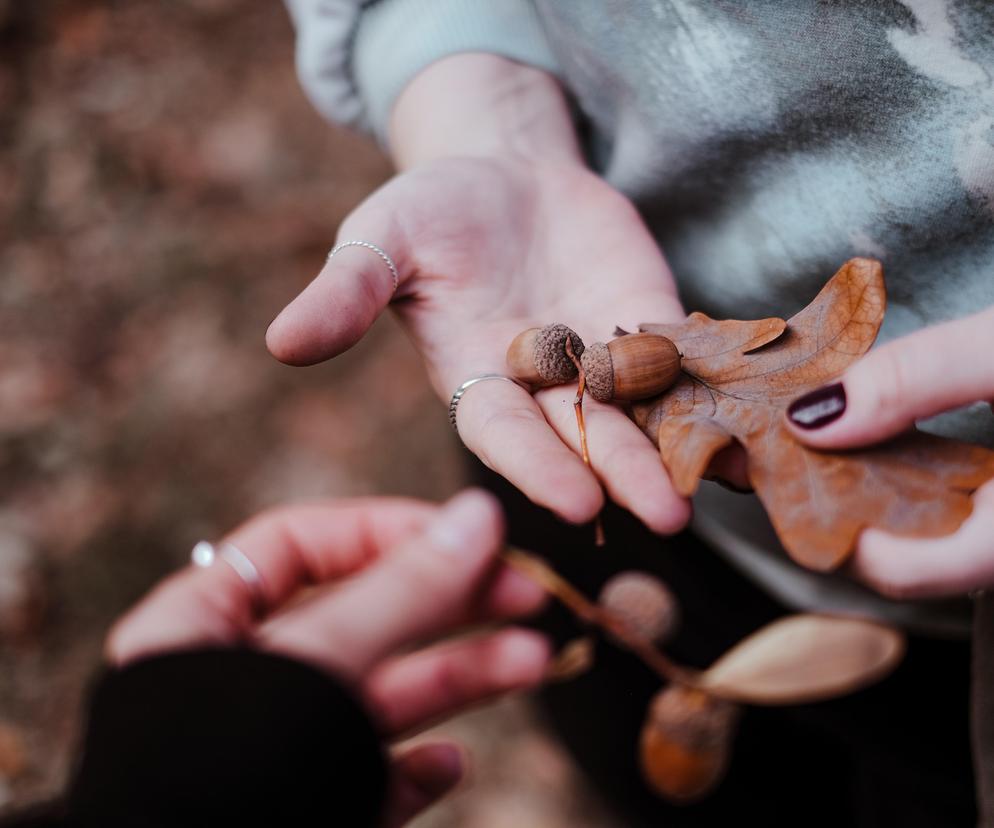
point(486, 249)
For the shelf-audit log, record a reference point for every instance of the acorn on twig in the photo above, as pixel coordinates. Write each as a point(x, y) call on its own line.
point(686, 742)
point(632, 367)
point(538, 356)
point(642, 602)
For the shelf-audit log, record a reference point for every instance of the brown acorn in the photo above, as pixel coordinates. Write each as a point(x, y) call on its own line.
point(643, 603)
point(538, 356)
point(686, 741)
point(632, 367)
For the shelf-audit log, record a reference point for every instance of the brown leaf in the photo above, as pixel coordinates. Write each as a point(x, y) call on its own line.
point(805, 658)
point(739, 378)
point(687, 443)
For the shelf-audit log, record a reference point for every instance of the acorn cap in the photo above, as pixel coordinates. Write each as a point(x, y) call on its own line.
point(551, 359)
point(644, 603)
point(692, 717)
point(599, 371)
point(538, 356)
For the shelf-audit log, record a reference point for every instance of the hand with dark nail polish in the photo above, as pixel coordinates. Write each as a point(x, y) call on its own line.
point(885, 394)
point(819, 407)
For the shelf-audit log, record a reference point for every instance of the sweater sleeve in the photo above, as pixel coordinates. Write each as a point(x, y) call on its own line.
point(354, 58)
point(226, 737)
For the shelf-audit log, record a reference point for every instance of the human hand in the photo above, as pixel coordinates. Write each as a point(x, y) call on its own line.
point(487, 244)
point(384, 574)
point(920, 375)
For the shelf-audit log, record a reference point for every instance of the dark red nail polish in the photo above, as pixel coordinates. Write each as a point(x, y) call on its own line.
point(819, 407)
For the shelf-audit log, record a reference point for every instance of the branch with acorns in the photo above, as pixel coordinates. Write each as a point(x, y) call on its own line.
point(690, 724)
point(697, 387)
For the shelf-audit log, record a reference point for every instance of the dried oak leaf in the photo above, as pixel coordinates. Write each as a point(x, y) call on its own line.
point(738, 377)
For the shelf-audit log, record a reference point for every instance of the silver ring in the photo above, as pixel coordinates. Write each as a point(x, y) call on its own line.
point(462, 389)
point(369, 246)
point(205, 554)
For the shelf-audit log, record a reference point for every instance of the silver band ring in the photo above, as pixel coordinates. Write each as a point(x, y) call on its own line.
point(205, 555)
point(369, 246)
point(462, 389)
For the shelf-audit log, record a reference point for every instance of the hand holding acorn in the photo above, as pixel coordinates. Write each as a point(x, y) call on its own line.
point(630, 367)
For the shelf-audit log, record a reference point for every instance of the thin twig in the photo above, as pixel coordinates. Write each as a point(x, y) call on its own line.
point(598, 616)
point(599, 539)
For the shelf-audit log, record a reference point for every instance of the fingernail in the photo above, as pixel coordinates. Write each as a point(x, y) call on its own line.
point(460, 520)
point(818, 408)
point(441, 774)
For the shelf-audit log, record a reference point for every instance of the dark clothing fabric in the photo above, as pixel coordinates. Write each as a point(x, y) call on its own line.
point(895, 754)
point(222, 737)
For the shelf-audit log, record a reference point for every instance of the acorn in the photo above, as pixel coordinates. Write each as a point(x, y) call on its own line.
point(632, 367)
point(686, 742)
point(644, 603)
point(538, 356)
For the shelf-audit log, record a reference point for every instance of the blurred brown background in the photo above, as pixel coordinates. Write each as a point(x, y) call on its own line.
point(164, 190)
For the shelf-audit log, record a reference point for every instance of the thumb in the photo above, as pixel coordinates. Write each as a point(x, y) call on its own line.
point(422, 776)
point(356, 283)
point(420, 590)
point(909, 379)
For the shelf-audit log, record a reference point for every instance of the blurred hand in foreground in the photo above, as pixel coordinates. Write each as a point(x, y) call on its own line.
point(356, 588)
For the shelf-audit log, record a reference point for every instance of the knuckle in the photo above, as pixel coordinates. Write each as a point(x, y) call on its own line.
point(453, 680)
point(893, 588)
point(893, 380)
point(225, 604)
point(495, 431)
point(426, 573)
point(890, 582)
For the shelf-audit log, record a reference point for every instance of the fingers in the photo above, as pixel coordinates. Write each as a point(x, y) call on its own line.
point(289, 547)
point(422, 589)
point(352, 289)
point(911, 378)
point(312, 543)
point(626, 462)
point(422, 776)
point(413, 690)
point(910, 568)
point(508, 594)
point(502, 425)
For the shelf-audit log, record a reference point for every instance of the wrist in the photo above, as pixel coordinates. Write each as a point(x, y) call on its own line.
point(483, 105)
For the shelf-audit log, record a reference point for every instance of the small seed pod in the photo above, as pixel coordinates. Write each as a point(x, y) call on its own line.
point(538, 356)
point(572, 661)
point(633, 367)
point(644, 603)
point(686, 741)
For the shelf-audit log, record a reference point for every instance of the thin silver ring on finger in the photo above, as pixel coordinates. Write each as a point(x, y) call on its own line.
point(377, 250)
point(205, 554)
point(462, 389)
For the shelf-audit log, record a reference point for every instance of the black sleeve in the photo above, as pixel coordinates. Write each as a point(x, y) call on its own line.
point(226, 737)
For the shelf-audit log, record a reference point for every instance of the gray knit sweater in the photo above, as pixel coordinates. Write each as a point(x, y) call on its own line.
point(765, 143)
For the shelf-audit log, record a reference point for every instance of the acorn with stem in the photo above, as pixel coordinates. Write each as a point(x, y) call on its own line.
point(630, 367)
